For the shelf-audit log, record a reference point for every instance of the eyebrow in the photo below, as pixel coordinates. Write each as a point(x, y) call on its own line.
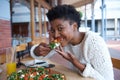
point(59, 25)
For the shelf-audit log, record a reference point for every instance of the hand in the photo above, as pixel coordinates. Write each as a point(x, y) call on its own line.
point(67, 55)
point(70, 57)
point(42, 50)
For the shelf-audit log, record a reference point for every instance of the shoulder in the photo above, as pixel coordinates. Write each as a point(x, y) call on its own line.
point(90, 33)
point(94, 41)
point(92, 36)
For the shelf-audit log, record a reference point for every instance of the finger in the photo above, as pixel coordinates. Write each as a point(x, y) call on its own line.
point(61, 53)
point(43, 53)
point(44, 44)
point(73, 58)
point(45, 49)
point(61, 49)
point(41, 44)
point(71, 55)
point(57, 50)
point(66, 56)
point(42, 48)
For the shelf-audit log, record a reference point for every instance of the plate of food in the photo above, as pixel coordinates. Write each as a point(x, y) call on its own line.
point(39, 73)
point(38, 63)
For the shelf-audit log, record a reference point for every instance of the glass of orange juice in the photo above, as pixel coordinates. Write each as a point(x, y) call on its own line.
point(11, 67)
point(10, 61)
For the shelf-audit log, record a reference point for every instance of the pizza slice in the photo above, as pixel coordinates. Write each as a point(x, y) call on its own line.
point(55, 43)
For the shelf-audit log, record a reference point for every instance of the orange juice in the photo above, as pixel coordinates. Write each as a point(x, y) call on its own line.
point(11, 67)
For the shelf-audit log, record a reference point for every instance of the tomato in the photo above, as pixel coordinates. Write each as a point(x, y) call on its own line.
point(40, 78)
point(26, 75)
point(31, 79)
point(25, 78)
point(58, 39)
point(34, 73)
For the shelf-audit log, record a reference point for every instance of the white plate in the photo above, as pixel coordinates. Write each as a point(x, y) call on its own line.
point(0, 70)
point(35, 63)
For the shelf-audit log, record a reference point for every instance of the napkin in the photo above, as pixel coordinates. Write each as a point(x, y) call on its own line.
point(36, 63)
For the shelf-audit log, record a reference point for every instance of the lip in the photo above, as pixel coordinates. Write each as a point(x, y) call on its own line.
point(61, 39)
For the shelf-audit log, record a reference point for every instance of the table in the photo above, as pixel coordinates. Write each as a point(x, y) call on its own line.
point(70, 75)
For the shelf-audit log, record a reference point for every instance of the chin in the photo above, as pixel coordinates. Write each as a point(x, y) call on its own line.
point(63, 44)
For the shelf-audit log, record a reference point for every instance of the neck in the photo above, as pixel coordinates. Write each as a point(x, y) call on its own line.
point(77, 38)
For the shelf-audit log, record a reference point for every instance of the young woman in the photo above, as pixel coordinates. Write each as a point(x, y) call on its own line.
point(86, 51)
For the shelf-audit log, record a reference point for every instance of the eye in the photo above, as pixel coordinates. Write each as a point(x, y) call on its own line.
point(52, 30)
point(60, 28)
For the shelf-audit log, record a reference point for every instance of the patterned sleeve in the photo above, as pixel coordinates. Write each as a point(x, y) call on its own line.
point(52, 52)
point(99, 64)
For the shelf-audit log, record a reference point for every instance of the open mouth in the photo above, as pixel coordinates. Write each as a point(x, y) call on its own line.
point(55, 43)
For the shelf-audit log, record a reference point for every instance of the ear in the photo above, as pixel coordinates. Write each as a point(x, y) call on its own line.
point(75, 26)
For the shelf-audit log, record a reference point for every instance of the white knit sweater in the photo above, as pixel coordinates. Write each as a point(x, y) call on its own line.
point(92, 52)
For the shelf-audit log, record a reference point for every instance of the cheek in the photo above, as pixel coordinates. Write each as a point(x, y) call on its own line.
point(64, 35)
point(67, 36)
point(68, 33)
point(51, 37)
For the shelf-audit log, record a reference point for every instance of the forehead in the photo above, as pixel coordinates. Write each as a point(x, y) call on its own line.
point(59, 22)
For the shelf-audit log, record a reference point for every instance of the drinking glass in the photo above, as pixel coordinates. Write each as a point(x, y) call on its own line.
point(10, 60)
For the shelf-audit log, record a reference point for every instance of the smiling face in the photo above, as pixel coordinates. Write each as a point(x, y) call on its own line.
point(63, 29)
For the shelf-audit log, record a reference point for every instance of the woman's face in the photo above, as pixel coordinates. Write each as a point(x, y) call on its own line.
point(62, 29)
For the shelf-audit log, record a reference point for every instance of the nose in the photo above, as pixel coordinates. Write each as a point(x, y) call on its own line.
point(57, 34)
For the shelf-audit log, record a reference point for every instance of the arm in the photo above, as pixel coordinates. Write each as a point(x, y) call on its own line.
point(38, 52)
point(70, 57)
point(99, 65)
point(85, 70)
point(32, 52)
point(98, 62)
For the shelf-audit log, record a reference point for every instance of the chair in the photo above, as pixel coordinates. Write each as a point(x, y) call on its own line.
point(2, 56)
point(20, 50)
point(116, 63)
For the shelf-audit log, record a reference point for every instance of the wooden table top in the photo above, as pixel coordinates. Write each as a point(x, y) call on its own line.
point(69, 74)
